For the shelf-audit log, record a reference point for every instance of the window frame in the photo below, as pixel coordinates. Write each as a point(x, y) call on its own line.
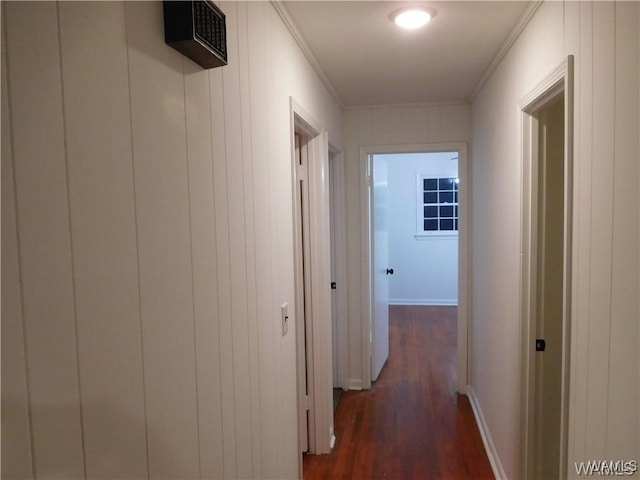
point(420, 231)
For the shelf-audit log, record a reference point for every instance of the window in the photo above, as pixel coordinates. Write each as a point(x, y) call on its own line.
point(437, 205)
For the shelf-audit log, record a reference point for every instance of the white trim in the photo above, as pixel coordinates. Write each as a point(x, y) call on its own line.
point(464, 252)
point(459, 103)
point(506, 46)
point(306, 50)
point(355, 384)
point(487, 439)
point(550, 87)
point(420, 204)
point(427, 302)
point(421, 237)
point(316, 177)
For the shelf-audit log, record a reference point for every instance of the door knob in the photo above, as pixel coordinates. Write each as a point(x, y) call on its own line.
point(389, 271)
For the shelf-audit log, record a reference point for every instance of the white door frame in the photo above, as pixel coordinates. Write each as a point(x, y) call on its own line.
point(558, 83)
point(464, 252)
point(316, 177)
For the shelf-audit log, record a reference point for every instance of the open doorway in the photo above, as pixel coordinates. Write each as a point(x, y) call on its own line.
point(312, 272)
point(546, 274)
point(376, 236)
point(415, 239)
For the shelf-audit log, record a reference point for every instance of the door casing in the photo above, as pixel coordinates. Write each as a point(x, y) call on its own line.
point(558, 84)
point(316, 285)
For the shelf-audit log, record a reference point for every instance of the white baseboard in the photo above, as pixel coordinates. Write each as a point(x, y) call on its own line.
point(422, 301)
point(489, 446)
point(355, 384)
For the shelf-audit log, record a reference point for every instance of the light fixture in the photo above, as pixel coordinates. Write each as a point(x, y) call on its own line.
point(412, 18)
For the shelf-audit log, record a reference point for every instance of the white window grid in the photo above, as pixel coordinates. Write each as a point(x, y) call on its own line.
point(437, 205)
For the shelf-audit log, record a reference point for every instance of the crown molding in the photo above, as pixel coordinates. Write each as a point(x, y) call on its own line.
point(526, 17)
point(454, 103)
point(302, 43)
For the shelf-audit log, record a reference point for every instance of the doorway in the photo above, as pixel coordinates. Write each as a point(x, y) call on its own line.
point(376, 273)
point(312, 275)
point(546, 281)
point(415, 225)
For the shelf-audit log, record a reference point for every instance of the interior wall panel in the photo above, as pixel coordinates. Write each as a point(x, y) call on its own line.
point(250, 233)
point(103, 230)
point(623, 437)
point(164, 244)
point(601, 218)
point(45, 241)
point(154, 220)
point(274, 125)
point(237, 248)
point(198, 106)
point(262, 219)
point(16, 454)
point(223, 271)
point(414, 120)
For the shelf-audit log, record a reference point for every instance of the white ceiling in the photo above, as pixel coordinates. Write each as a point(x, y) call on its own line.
point(368, 60)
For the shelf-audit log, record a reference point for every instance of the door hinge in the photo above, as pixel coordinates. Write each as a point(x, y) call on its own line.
point(301, 172)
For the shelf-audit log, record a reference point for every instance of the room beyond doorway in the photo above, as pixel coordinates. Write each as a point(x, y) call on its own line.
point(422, 219)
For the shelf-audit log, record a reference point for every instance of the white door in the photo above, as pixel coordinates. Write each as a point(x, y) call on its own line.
point(380, 317)
point(304, 328)
point(313, 293)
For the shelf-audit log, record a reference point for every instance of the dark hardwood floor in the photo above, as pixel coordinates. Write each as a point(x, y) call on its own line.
point(412, 424)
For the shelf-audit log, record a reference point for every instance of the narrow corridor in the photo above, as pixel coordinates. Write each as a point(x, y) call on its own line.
point(412, 424)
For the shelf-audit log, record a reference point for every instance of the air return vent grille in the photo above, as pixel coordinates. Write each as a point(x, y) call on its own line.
point(197, 29)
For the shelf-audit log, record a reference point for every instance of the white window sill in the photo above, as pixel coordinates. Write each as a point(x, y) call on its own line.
point(435, 235)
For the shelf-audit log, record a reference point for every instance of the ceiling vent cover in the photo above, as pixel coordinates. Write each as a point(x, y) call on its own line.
point(197, 29)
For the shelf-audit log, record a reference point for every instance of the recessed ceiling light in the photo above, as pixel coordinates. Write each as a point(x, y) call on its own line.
point(412, 18)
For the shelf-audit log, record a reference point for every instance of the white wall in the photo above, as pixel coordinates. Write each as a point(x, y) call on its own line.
point(147, 244)
point(377, 126)
point(604, 401)
point(425, 267)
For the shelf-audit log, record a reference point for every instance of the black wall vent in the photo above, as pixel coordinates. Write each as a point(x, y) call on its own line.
point(197, 29)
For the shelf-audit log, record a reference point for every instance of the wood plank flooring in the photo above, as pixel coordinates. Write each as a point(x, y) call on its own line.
point(412, 424)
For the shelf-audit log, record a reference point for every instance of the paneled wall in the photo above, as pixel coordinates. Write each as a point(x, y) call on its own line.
point(605, 402)
point(147, 244)
point(376, 126)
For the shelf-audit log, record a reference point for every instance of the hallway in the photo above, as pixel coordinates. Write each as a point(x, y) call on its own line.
point(411, 424)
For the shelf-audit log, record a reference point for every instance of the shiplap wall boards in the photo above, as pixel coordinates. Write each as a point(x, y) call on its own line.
point(604, 379)
point(147, 238)
point(147, 244)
